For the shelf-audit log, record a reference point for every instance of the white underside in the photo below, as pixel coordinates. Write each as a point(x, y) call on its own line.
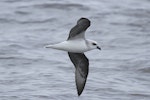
point(76, 46)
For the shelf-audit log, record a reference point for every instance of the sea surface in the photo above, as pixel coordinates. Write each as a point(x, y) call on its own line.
point(120, 71)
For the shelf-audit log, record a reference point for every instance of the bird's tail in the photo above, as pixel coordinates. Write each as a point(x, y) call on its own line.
point(48, 46)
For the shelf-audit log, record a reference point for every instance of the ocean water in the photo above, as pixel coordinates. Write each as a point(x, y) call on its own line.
point(120, 71)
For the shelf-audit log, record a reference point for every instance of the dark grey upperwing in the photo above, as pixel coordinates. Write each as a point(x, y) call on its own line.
point(80, 28)
point(81, 64)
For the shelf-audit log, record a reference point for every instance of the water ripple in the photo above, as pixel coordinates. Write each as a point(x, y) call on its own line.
point(62, 6)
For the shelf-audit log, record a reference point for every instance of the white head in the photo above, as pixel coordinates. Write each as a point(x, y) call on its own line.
point(92, 45)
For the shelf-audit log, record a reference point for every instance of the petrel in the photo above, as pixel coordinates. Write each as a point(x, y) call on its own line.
point(76, 45)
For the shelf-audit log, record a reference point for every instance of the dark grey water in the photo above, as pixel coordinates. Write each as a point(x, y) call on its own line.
point(121, 71)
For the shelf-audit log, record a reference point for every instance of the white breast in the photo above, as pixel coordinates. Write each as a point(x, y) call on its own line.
point(76, 46)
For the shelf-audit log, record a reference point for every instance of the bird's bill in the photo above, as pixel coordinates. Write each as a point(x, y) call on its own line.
point(98, 48)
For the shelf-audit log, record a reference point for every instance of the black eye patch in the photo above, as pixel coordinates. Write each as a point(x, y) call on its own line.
point(94, 43)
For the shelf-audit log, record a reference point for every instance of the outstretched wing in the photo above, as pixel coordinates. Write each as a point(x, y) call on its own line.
point(81, 64)
point(79, 30)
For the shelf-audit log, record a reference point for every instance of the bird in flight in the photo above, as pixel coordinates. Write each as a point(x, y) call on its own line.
point(76, 45)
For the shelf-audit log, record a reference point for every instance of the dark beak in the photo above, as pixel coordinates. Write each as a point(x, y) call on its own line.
point(98, 48)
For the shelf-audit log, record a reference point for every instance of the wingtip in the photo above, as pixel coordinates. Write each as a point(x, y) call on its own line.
point(80, 88)
point(84, 20)
point(79, 93)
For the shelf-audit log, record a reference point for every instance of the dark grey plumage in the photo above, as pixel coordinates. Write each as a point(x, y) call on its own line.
point(81, 64)
point(82, 25)
point(79, 60)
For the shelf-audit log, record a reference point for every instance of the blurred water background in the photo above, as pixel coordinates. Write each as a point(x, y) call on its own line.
point(121, 71)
